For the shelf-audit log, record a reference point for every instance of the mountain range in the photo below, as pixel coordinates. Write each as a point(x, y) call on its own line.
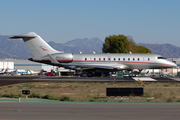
point(166, 50)
point(17, 49)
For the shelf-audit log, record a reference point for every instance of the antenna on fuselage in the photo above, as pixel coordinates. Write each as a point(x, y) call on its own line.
point(80, 52)
point(94, 52)
point(130, 52)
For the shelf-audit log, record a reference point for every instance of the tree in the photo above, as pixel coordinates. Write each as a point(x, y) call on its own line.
point(116, 44)
point(122, 44)
point(132, 48)
point(142, 49)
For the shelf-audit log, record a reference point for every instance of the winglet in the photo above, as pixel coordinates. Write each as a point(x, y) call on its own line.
point(54, 61)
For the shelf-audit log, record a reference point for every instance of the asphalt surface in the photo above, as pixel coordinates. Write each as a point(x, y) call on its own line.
point(9, 80)
point(11, 109)
point(88, 111)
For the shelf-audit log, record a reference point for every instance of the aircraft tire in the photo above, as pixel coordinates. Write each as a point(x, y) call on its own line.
point(89, 74)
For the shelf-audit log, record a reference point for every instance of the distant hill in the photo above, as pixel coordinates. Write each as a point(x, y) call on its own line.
point(166, 50)
point(79, 45)
point(12, 48)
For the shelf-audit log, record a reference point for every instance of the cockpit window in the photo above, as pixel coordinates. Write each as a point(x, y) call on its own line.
point(161, 58)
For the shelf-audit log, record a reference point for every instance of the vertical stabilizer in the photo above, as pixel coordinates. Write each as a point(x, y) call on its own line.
point(36, 45)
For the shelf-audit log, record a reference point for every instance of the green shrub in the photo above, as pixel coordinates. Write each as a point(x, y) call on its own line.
point(166, 85)
point(46, 97)
point(77, 86)
point(92, 99)
point(12, 95)
point(64, 98)
point(31, 86)
point(5, 95)
point(34, 95)
point(169, 100)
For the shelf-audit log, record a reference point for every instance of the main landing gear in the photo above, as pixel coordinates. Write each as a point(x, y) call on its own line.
point(90, 74)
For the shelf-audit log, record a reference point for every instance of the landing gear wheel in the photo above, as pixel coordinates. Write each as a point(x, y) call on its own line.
point(89, 74)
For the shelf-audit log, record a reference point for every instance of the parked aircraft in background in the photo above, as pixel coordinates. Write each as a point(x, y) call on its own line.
point(90, 63)
point(2, 71)
point(20, 72)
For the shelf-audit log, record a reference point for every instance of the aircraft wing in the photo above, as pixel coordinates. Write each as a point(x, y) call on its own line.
point(88, 66)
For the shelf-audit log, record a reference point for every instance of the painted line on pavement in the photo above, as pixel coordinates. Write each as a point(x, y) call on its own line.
point(177, 79)
point(144, 79)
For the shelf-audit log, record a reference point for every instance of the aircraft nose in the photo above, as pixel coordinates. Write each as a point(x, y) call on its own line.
point(174, 64)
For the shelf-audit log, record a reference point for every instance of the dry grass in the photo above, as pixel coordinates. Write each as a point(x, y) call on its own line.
point(95, 91)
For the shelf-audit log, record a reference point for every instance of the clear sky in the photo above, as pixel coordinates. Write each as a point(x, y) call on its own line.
point(147, 21)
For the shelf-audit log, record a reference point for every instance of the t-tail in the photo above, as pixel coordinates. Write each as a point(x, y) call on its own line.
point(36, 45)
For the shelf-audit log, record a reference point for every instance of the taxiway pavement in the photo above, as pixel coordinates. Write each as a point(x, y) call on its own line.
point(87, 111)
point(9, 80)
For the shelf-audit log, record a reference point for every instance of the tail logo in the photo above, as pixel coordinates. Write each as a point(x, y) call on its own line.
point(43, 48)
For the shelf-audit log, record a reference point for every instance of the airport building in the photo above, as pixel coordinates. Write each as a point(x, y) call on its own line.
point(23, 64)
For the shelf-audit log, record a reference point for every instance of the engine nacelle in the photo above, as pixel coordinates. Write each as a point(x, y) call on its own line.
point(60, 57)
point(63, 57)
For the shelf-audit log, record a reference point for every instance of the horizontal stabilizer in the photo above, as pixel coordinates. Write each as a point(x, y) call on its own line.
point(18, 37)
point(29, 35)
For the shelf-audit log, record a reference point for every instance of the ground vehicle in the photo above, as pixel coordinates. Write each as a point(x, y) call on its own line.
point(42, 72)
point(112, 75)
point(49, 74)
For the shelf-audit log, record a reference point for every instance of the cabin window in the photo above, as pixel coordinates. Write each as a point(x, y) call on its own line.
point(133, 59)
point(138, 59)
point(94, 58)
point(119, 59)
point(128, 59)
point(124, 59)
point(85, 58)
point(104, 59)
point(99, 58)
point(114, 59)
point(109, 59)
point(148, 59)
